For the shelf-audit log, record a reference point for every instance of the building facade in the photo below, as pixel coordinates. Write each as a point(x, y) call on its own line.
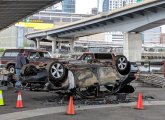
point(115, 37)
point(152, 36)
point(109, 5)
point(149, 36)
point(162, 38)
point(68, 6)
point(8, 38)
point(105, 6)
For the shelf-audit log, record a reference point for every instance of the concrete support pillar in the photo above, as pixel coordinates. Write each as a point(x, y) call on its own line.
point(38, 43)
point(133, 46)
point(54, 43)
point(59, 45)
point(71, 46)
point(54, 46)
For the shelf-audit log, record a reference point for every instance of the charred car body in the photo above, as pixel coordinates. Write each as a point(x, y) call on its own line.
point(84, 77)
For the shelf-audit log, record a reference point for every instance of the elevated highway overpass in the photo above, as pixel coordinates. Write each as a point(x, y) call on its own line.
point(12, 11)
point(131, 20)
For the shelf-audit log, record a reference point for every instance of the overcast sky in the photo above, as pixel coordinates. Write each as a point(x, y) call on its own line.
point(85, 6)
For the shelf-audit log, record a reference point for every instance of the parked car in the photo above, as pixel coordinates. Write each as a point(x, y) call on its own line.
point(97, 56)
point(85, 78)
point(35, 57)
point(104, 58)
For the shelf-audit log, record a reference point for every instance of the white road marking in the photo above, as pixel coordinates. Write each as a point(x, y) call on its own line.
point(52, 110)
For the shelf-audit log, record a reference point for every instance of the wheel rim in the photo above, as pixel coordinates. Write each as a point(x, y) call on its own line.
point(122, 63)
point(57, 70)
point(11, 70)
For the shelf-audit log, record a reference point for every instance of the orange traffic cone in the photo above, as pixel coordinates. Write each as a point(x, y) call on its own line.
point(19, 103)
point(71, 107)
point(139, 104)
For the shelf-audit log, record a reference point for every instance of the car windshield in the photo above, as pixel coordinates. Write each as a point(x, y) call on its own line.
point(103, 56)
point(45, 54)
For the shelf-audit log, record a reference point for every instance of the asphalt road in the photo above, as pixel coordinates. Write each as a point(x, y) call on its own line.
point(42, 105)
point(118, 113)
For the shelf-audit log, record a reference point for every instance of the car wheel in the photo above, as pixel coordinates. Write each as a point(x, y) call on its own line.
point(57, 72)
point(122, 65)
point(29, 70)
point(11, 69)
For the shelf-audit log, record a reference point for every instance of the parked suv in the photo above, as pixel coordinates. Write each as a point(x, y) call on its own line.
point(36, 57)
point(107, 58)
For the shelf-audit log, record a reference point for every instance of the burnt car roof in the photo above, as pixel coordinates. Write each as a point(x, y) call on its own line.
point(29, 50)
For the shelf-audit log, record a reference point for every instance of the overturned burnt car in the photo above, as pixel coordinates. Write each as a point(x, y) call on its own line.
point(83, 79)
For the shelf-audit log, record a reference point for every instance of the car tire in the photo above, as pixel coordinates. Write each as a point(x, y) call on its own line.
point(29, 70)
point(122, 65)
point(57, 72)
point(11, 69)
